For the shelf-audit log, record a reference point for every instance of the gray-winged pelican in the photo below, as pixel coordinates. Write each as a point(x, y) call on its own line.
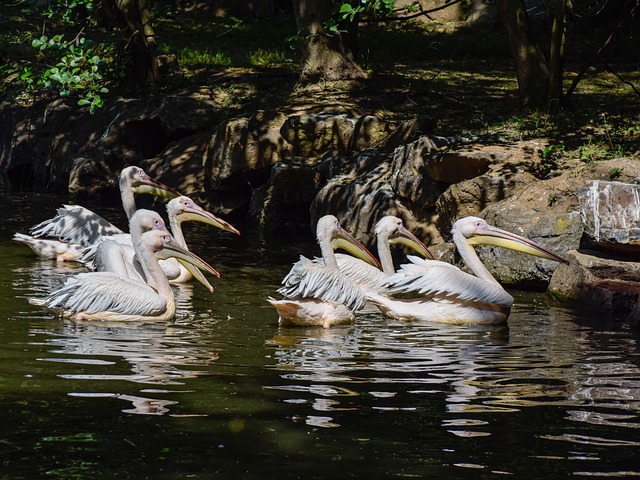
point(108, 296)
point(437, 291)
point(74, 227)
point(318, 294)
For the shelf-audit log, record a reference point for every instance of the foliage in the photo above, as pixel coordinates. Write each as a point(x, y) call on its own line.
point(77, 70)
point(615, 173)
point(67, 67)
point(550, 158)
point(349, 11)
point(261, 57)
point(374, 8)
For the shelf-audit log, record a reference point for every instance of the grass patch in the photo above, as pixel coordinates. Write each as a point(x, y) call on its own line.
point(263, 58)
point(193, 58)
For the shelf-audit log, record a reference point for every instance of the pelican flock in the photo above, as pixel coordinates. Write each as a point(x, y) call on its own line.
point(179, 209)
point(389, 230)
point(132, 273)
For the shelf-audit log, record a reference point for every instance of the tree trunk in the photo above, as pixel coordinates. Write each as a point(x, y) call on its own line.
point(531, 67)
point(135, 18)
point(326, 55)
point(556, 53)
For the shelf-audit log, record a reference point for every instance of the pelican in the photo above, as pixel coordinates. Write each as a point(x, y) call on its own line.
point(183, 209)
point(179, 209)
point(389, 231)
point(74, 228)
point(113, 255)
point(440, 292)
point(109, 296)
point(318, 294)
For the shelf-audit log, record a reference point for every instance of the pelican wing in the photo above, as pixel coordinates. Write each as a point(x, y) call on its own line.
point(98, 292)
point(75, 224)
point(313, 280)
point(360, 272)
point(435, 278)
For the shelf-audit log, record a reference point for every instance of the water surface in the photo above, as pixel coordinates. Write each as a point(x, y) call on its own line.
point(223, 392)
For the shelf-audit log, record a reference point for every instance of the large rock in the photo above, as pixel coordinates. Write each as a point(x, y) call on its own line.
point(311, 135)
point(601, 285)
point(377, 183)
point(180, 166)
point(470, 197)
point(241, 154)
point(558, 232)
point(611, 215)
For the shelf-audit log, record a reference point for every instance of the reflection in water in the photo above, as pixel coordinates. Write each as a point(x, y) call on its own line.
point(480, 374)
point(141, 353)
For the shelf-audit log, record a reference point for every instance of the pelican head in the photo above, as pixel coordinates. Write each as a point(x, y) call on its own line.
point(477, 231)
point(163, 244)
point(143, 221)
point(137, 180)
point(392, 230)
point(185, 209)
point(329, 227)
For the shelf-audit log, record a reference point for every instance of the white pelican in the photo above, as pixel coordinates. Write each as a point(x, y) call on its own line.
point(64, 236)
point(389, 231)
point(112, 255)
point(183, 209)
point(108, 296)
point(437, 291)
point(179, 209)
point(318, 294)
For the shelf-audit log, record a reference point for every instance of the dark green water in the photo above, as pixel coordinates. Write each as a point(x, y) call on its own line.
point(223, 392)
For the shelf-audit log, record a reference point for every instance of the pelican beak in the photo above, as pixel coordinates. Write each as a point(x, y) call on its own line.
point(345, 241)
point(184, 256)
point(146, 184)
point(197, 274)
point(199, 214)
point(408, 239)
point(501, 238)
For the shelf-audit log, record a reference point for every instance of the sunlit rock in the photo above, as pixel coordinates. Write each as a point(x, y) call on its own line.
point(454, 167)
point(180, 166)
point(311, 135)
point(378, 183)
point(611, 215)
point(470, 197)
point(559, 232)
point(242, 145)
